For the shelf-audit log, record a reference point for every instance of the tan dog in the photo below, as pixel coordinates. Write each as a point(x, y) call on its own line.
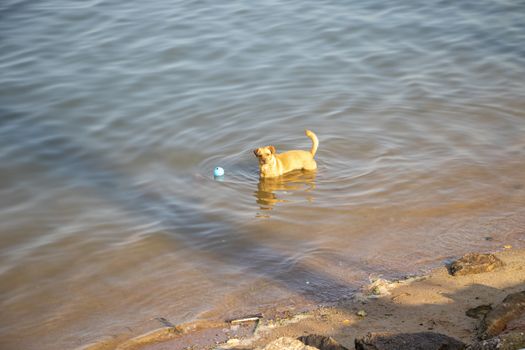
point(272, 164)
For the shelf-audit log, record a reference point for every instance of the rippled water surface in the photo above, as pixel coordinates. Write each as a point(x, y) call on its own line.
point(113, 115)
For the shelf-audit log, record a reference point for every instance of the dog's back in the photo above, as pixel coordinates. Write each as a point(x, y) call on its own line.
point(298, 159)
point(272, 164)
point(295, 159)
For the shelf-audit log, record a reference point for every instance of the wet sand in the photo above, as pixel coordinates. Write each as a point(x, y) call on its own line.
point(435, 302)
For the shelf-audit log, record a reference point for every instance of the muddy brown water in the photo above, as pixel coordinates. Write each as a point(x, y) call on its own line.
point(113, 115)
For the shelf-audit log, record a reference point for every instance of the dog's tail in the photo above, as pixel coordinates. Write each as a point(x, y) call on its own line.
point(315, 141)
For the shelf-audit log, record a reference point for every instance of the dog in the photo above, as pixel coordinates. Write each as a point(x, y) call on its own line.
point(272, 164)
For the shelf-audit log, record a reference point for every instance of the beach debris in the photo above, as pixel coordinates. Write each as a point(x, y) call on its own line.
point(473, 263)
point(479, 311)
point(361, 313)
point(378, 287)
point(321, 342)
point(247, 318)
point(164, 322)
point(233, 342)
point(287, 343)
point(507, 246)
point(408, 341)
point(511, 309)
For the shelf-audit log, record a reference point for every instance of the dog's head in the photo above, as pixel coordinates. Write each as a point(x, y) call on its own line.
point(264, 154)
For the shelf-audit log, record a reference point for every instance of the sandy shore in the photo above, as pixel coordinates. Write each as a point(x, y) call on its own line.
point(436, 302)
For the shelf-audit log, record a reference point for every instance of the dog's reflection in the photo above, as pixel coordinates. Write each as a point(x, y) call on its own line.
point(300, 182)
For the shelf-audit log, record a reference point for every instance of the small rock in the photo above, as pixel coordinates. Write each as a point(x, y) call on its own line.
point(233, 342)
point(408, 341)
point(361, 313)
point(287, 343)
point(474, 263)
point(509, 341)
point(495, 322)
point(479, 311)
point(360, 298)
point(517, 324)
point(379, 287)
point(321, 342)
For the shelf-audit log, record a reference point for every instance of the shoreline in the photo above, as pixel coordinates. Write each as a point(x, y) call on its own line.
point(434, 302)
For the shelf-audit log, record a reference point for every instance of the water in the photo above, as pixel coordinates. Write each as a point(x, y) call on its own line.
point(114, 114)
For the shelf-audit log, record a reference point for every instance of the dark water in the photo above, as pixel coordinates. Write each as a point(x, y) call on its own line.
point(113, 115)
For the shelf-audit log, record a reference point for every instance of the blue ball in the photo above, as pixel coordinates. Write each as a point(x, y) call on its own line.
point(218, 171)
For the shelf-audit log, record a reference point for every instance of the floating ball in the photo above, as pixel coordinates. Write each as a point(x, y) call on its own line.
point(218, 171)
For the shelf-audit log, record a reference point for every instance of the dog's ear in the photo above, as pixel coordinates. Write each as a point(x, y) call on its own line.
point(272, 149)
point(255, 152)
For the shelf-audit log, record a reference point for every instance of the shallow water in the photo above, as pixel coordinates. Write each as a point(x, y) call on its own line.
point(114, 114)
